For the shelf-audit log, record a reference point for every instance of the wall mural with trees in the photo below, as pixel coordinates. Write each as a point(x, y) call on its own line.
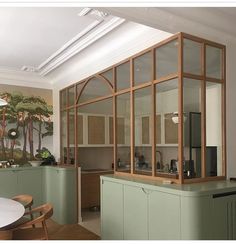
point(26, 126)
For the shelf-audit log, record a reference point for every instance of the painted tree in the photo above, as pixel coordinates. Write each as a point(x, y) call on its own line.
point(34, 110)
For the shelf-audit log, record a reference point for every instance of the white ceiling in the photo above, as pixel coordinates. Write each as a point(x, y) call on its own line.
point(40, 39)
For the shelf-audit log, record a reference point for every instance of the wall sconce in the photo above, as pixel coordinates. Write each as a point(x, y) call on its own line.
point(3, 102)
point(175, 117)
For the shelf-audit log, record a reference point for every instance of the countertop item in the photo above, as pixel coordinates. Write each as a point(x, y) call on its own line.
point(10, 211)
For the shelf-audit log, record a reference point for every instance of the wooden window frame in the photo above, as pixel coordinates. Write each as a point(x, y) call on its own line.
point(180, 75)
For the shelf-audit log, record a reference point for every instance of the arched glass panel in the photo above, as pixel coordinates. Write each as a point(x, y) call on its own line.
point(108, 75)
point(71, 96)
point(95, 88)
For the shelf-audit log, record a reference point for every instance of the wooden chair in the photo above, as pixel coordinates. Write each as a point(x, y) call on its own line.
point(45, 211)
point(27, 202)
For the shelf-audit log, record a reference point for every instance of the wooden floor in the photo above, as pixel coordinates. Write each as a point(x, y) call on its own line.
point(69, 232)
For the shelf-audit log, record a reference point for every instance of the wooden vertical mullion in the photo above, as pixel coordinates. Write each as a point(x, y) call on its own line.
point(223, 107)
point(60, 126)
point(76, 129)
point(114, 106)
point(68, 127)
point(153, 115)
point(180, 108)
point(132, 124)
point(203, 112)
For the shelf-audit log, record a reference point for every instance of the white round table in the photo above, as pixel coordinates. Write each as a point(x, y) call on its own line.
point(10, 211)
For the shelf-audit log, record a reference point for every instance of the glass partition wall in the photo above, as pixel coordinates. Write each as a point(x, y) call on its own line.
point(161, 113)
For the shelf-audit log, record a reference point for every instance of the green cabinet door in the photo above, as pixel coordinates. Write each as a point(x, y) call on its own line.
point(164, 216)
point(8, 183)
point(224, 218)
point(135, 213)
point(67, 205)
point(60, 191)
point(196, 221)
point(30, 182)
point(112, 216)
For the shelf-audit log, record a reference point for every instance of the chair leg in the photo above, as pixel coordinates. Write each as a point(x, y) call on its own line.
point(31, 217)
point(45, 229)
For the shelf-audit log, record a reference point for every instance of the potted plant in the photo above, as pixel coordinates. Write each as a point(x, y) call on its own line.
point(46, 156)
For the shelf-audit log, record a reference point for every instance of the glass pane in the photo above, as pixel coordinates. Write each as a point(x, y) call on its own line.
point(109, 75)
point(192, 128)
point(64, 136)
point(71, 95)
point(213, 129)
point(142, 110)
point(95, 88)
point(213, 62)
point(95, 151)
point(123, 132)
point(192, 57)
point(123, 76)
point(167, 59)
point(167, 150)
point(78, 88)
point(143, 68)
point(71, 128)
point(63, 99)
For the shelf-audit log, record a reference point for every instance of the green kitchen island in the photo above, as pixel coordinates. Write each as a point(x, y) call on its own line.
point(138, 209)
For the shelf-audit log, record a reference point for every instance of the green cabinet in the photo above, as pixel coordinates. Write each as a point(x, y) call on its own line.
point(60, 190)
point(112, 211)
point(30, 182)
point(46, 184)
point(150, 210)
point(163, 216)
point(21, 181)
point(8, 183)
point(224, 218)
point(135, 213)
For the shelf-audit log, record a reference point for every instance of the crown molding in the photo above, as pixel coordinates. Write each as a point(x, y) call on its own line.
point(22, 78)
point(76, 45)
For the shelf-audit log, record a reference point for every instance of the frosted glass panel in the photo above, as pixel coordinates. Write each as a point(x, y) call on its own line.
point(123, 123)
point(64, 136)
point(142, 116)
point(213, 62)
point(167, 59)
point(71, 96)
point(143, 68)
point(95, 88)
point(192, 128)
point(63, 99)
point(123, 76)
point(213, 129)
point(192, 57)
point(109, 75)
point(71, 128)
point(166, 105)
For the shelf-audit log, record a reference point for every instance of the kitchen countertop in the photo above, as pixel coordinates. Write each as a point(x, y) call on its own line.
point(193, 189)
point(93, 171)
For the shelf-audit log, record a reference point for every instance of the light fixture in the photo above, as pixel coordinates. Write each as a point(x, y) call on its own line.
point(175, 117)
point(3, 102)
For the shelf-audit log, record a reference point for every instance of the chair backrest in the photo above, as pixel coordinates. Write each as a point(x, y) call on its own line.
point(26, 200)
